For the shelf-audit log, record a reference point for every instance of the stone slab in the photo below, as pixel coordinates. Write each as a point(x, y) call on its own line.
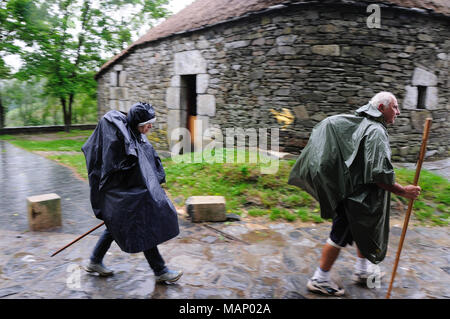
point(424, 77)
point(330, 49)
point(206, 208)
point(173, 98)
point(410, 100)
point(122, 78)
point(44, 211)
point(189, 62)
point(206, 105)
point(432, 99)
point(202, 83)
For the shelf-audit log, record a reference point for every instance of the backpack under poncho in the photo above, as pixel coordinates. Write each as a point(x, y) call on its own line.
point(344, 158)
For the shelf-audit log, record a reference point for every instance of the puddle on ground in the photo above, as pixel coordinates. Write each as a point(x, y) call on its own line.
point(258, 236)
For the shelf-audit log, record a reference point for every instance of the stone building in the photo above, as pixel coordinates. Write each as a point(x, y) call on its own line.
point(289, 64)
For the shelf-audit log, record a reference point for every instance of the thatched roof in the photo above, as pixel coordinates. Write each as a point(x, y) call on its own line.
point(204, 13)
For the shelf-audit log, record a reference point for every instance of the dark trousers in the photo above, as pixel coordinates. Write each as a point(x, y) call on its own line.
point(340, 233)
point(152, 255)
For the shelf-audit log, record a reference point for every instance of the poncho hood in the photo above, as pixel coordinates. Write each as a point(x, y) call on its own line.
point(139, 113)
point(370, 110)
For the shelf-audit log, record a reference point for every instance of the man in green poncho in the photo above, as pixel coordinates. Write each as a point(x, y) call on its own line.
point(346, 166)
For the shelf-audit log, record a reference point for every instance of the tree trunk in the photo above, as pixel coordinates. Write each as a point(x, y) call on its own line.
point(2, 114)
point(71, 96)
point(66, 115)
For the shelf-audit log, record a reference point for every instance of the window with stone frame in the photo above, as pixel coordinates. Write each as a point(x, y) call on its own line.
point(422, 93)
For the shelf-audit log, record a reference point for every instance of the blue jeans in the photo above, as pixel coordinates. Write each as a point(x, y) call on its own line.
point(152, 255)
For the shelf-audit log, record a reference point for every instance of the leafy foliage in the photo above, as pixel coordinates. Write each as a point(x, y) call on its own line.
point(66, 41)
point(28, 105)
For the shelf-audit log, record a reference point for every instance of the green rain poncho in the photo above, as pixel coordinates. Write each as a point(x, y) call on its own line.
point(344, 158)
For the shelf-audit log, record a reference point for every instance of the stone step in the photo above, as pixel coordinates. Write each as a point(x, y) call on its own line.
point(206, 208)
point(44, 211)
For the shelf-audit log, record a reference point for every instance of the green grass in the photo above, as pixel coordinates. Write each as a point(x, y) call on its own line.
point(243, 185)
point(57, 142)
point(258, 212)
point(433, 205)
point(307, 214)
point(247, 191)
point(54, 136)
point(7, 137)
point(56, 145)
point(74, 133)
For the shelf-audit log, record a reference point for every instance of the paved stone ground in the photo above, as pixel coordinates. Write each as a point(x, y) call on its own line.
point(24, 174)
point(270, 260)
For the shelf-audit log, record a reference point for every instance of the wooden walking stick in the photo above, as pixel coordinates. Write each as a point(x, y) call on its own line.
point(411, 202)
point(73, 242)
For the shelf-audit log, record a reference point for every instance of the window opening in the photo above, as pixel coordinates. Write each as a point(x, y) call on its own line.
point(421, 96)
point(118, 76)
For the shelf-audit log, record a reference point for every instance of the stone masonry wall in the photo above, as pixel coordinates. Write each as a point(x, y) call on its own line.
point(291, 69)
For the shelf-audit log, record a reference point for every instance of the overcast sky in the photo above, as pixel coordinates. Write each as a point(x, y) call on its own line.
point(177, 5)
point(174, 6)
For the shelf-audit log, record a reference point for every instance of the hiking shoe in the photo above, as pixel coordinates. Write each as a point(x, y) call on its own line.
point(98, 268)
point(325, 287)
point(169, 276)
point(364, 277)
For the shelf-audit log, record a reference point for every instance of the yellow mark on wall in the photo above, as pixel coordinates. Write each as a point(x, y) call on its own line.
point(285, 117)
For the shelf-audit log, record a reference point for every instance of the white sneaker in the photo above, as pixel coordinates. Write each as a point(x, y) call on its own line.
point(169, 276)
point(325, 287)
point(362, 277)
point(98, 268)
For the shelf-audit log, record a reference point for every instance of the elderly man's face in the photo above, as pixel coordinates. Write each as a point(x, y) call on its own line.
point(145, 128)
point(390, 112)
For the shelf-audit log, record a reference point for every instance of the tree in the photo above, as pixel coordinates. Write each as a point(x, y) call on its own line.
point(25, 100)
point(5, 41)
point(70, 37)
point(14, 16)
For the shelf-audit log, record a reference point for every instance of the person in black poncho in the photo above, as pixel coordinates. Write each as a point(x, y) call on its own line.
point(346, 166)
point(125, 174)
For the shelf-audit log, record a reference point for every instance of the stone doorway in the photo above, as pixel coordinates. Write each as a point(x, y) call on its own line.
point(189, 94)
point(189, 105)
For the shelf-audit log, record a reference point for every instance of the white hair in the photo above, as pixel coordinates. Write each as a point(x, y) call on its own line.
point(149, 121)
point(384, 98)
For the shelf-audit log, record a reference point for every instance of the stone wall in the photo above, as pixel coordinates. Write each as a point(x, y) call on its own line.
point(44, 129)
point(291, 68)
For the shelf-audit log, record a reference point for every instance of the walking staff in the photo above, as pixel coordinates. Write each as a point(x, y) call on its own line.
point(411, 202)
point(82, 236)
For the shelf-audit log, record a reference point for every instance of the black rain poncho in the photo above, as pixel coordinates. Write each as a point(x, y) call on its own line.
point(344, 158)
point(125, 174)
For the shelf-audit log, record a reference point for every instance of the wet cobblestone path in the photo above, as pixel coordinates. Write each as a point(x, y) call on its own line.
point(24, 174)
point(271, 260)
